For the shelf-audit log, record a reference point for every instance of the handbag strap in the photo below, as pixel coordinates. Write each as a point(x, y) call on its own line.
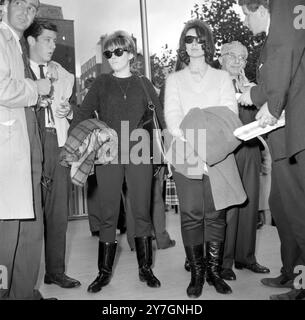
point(150, 104)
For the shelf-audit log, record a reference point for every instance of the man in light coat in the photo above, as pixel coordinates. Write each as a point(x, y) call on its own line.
point(20, 163)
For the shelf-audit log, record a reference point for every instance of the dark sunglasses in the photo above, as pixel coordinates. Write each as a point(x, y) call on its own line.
point(117, 52)
point(190, 39)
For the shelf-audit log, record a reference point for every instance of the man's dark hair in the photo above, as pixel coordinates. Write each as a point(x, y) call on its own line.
point(37, 27)
point(253, 5)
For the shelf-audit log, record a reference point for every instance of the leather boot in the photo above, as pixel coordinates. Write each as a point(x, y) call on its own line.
point(144, 256)
point(214, 252)
point(106, 254)
point(194, 256)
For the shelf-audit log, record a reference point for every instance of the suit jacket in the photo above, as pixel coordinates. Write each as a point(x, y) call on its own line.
point(281, 78)
point(16, 92)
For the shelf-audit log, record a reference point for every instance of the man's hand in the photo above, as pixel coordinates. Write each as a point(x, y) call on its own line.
point(63, 110)
point(43, 86)
point(245, 98)
point(264, 117)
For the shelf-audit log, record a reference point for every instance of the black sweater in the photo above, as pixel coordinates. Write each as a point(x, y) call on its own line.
point(106, 96)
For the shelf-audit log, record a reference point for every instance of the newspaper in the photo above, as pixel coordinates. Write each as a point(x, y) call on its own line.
point(253, 129)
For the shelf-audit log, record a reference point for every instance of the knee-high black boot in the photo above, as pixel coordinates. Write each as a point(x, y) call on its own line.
point(106, 254)
point(144, 256)
point(214, 252)
point(194, 256)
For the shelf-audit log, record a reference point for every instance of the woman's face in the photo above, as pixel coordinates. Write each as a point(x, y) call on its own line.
point(120, 63)
point(194, 49)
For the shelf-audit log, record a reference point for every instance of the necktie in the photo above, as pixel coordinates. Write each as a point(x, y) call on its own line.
point(48, 108)
point(42, 76)
point(235, 86)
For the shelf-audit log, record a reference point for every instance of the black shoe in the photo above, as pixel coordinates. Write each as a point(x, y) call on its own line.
point(95, 233)
point(214, 252)
point(170, 244)
point(62, 280)
point(144, 257)
point(254, 267)
point(294, 294)
point(282, 281)
point(227, 274)
point(106, 254)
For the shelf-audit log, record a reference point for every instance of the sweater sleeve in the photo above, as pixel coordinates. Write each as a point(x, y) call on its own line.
point(228, 97)
point(90, 104)
point(173, 112)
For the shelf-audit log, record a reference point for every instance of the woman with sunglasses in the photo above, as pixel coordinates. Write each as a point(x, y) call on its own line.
point(196, 84)
point(120, 101)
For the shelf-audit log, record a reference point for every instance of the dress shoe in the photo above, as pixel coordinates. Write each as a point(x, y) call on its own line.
point(294, 294)
point(95, 233)
point(282, 281)
point(170, 244)
point(227, 274)
point(254, 267)
point(62, 280)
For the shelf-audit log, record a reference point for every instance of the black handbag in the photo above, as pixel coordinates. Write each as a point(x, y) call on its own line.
point(151, 124)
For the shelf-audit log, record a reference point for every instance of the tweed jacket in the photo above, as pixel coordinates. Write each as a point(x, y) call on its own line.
point(90, 142)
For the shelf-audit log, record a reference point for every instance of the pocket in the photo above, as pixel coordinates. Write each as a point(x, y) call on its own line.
point(13, 140)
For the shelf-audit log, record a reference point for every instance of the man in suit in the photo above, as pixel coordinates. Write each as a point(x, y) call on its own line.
point(281, 87)
point(53, 123)
point(21, 157)
point(242, 220)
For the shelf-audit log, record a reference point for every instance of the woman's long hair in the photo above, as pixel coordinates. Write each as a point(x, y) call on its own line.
point(202, 31)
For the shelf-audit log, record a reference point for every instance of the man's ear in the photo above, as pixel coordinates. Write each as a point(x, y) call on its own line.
point(31, 41)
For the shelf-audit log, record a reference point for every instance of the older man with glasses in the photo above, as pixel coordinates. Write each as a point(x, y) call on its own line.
point(242, 220)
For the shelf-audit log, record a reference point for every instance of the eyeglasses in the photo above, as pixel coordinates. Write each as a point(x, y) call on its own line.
point(117, 52)
point(232, 56)
point(190, 39)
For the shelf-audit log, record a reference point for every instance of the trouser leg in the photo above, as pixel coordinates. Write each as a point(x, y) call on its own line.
point(110, 178)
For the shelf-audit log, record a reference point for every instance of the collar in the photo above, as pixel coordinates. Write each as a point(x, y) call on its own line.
point(35, 64)
point(13, 33)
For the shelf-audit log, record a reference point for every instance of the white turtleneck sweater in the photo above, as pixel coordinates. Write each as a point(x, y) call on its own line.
point(182, 93)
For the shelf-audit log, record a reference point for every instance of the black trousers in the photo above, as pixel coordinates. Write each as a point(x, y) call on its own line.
point(242, 220)
point(55, 203)
point(110, 179)
point(21, 240)
point(287, 205)
point(199, 220)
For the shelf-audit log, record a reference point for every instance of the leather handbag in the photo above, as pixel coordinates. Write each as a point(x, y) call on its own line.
point(151, 124)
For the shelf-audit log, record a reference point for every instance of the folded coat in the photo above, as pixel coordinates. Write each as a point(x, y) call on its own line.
point(209, 150)
point(90, 142)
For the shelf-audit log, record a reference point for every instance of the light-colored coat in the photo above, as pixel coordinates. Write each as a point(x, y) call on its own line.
point(16, 93)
